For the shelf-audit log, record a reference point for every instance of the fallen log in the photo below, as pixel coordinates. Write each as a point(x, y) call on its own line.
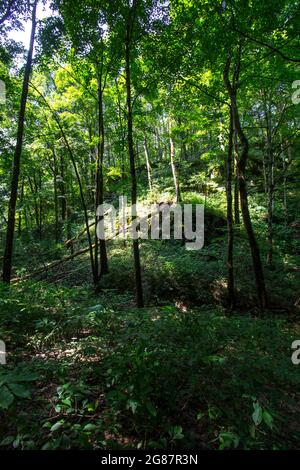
point(78, 235)
point(52, 265)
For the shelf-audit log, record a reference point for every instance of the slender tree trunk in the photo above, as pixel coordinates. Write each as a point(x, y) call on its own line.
point(78, 178)
point(284, 191)
point(37, 180)
point(265, 174)
point(230, 273)
point(8, 252)
point(20, 211)
point(83, 203)
point(55, 189)
point(100, 244)
point(136, 250)
point(270, 185)
point(284, 169)
point(236, 182)
point(242, 162)
point(173, 165)
point(34, 191)
point(62, 188)
point(148, 164)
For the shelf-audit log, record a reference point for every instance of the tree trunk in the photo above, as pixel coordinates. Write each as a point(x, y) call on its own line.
point(284, 170)
point(270, 184)
point(148, 164)
point(236, 182)
point(242, 162)
point(78, 178)
point(20, 212)
point(173, 165)
point(230, 273)
point(8, 252)
point(100, 244)
point(136, 250)
point(55, 189)
point(62, 188)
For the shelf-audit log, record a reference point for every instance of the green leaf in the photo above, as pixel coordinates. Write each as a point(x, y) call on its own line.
point(6, 398)
point(151, 408)
point(267, 419)
point(176, 432)
point(257, 414)
point(228, 440)
point(7, 441)
point(56, 426)
point(22, 377)
point(90, 427)
point(19, 391)
point(132, 405)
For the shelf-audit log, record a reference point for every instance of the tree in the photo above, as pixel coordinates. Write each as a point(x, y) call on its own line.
point(8, 253)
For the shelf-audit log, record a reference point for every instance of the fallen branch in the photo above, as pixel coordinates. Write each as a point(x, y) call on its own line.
point(78, 253)
point(52, 265)
point(78, 235)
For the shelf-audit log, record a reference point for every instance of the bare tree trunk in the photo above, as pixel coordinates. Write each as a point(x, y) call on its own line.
point(62, 188)
point(20, 211)
point(173, 165)
point(8, 253)
point(102, 269)
point(34, 191)
point(284, 169)
point(236, 182)
point(78, 178)
point(37, 179)
point(230, 273)
point(55, 189)
point(136, 250)
point(270, 184)
point(242, 162)
point(148, 164)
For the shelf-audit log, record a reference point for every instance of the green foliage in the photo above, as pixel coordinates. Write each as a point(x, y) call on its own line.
point(114, 376)
point(14, 384)
point(182, 372)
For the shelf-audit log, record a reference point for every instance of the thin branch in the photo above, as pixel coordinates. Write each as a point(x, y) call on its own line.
point(205, 92)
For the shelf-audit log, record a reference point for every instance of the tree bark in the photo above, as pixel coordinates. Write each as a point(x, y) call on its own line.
point(173, 165)
point(102, 269)
point(55, 189)
point(148, 164)
point(270, 183)
point(8, 252)
point(236, 182)
point(242, 162)
point(136, 250)
point(230, 273)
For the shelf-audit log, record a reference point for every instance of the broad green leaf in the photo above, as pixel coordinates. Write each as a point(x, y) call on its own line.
point(6, 398)
point(19, 391)
point(257, 414)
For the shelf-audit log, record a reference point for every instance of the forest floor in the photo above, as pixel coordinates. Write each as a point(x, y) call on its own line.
point(90, 372)
point(87, 370)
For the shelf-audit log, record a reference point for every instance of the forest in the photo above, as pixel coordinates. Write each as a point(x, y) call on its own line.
point(148, 339)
